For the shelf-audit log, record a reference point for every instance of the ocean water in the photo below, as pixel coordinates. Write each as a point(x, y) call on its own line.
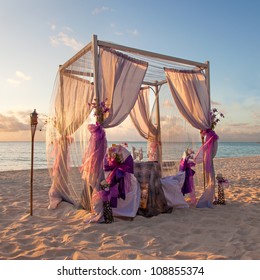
point(17, 155)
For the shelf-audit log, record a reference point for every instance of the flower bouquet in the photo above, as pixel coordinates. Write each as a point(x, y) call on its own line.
point(100, 110)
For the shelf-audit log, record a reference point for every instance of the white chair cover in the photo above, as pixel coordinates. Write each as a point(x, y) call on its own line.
point(171, 186)
point(129, 206)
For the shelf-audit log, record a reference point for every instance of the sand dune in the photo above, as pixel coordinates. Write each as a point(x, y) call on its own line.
point(230, 231)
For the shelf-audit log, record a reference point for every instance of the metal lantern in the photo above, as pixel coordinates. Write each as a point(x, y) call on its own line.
point(34, 122)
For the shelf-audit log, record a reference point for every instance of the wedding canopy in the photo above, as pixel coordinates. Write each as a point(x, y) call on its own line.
point(115, 81)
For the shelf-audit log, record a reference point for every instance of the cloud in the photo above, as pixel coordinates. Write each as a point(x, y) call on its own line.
point(134, 32)
point(256, 115)
point(118, 32)
point(13, 81)
point(215, 103)
point(167, 103)
point(240, 125)
point(131, 32)
point(103, 9)
point(65, 39)
point(249, 133)
point(22, 76)
point(127, 132)
point(12, 123)
point(53, 27)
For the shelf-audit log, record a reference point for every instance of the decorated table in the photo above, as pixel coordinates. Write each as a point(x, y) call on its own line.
point(153, 201)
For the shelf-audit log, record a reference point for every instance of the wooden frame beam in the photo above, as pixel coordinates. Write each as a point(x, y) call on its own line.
point(76, 56)
point(152, 54)
point(79, 73)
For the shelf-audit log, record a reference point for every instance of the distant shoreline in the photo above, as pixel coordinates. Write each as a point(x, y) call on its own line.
point(17, 155)
point(176, 161)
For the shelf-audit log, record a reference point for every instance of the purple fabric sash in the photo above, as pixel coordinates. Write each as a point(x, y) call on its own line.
point(186, 166)
point(95, 153)
point(206, 149)
point(207, 153)
point(116, 179)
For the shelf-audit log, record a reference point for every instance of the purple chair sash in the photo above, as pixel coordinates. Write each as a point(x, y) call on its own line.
point(186, 166)
point(116, 180)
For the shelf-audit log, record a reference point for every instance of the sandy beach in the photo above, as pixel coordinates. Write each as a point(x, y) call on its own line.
point(230, 231)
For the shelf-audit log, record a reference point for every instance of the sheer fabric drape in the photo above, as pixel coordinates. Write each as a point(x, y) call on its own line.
point(119, 81)
point(71, 110)
point(189, 91)
point(191, 96)
point(142, 120)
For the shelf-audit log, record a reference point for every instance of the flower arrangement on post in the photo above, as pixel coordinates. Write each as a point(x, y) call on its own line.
point(100, 110)
point(215, 116)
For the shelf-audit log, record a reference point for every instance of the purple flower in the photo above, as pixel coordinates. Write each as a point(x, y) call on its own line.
point(214, 117)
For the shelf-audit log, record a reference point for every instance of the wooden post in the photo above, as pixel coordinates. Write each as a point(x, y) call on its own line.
point(31, 185)
point(34, 122)
point(207, 74)
point(159, 140)
point(95, 65)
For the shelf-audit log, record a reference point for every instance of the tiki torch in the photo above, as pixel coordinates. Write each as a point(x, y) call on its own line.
point(34, 122)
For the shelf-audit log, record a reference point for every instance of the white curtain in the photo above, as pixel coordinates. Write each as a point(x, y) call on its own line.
point(191, 96)
point(71, 109)
point(71, 104)
point(190, 93)
point(142, 119)
point(119, 81)
point(141, 116)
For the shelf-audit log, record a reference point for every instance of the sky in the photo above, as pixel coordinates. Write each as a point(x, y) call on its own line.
point(38, 36)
